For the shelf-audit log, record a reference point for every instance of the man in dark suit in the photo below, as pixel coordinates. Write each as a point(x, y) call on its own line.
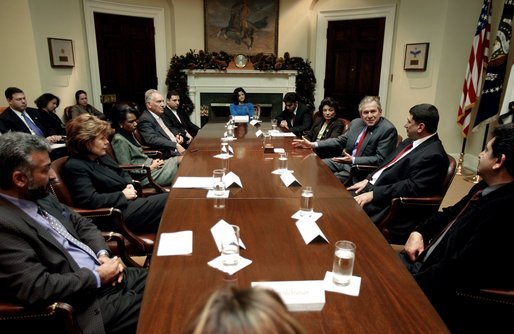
point(296, 117)
point(18, 117)
point(369, 140)
point(417, 167)
point(152, 128)
point(177, 120)
point(49, 253)
point(468, 246)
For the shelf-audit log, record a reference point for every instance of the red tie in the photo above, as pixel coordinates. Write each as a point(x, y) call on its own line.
point(361, 140)
point(398, 156)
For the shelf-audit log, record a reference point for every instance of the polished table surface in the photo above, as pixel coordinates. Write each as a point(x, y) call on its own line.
point(389, 299)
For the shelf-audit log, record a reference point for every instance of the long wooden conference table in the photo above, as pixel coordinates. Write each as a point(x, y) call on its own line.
point(389, 301)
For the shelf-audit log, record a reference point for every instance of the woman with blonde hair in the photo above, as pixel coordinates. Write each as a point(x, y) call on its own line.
point(95, 180)
point(252, 311)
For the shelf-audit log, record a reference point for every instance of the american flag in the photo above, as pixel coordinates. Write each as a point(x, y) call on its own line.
point(478, 59)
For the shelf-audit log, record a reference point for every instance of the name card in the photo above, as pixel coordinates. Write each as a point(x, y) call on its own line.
point(268, 148)
point(223, 231)
point(241, 119)
point(310, 231)
point(232, 180)
point(177, 243)
point(255, 121)
point(289, 180)
point(279, 150)
point(297, 295)
point(259, 133)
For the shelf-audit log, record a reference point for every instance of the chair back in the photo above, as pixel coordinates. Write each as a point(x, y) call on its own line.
point(57, 185)
point(67, 113)
point(346, 123)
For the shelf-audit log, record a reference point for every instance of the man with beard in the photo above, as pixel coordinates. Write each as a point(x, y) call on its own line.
point(49, 253)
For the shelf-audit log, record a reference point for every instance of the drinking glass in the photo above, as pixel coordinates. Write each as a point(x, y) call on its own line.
point(230, 130)
point(230, 247)
point(282, 162)
point(274, 123)
point(344, 258)
point(218, 186)
point(266, 139)
point(306, 201)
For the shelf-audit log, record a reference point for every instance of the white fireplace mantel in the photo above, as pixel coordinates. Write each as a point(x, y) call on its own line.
point(214, 81)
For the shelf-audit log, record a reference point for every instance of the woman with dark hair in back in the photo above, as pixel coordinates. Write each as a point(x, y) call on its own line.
point(82, 107)
point(51, 124)
point(129, 151)
point(327, 124)
point(240, 105)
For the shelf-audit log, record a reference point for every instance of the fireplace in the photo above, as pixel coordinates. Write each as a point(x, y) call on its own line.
point(214, 89)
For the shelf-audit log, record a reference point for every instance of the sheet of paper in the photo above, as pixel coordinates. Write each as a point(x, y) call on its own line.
point(210, 194)
point(351, 289)
point(309, 230)
point(241, 119)
point(177, 243)
point(314, 215)
point(193, 182)
point(241, 263)
point(279, 150)
point(282, 134)
point(289, 180)
point(297, 295)
point(221, 230)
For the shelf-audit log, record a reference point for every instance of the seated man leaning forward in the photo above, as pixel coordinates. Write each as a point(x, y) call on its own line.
point(417, 167)
point(468, 246)
point(40, 264)
point(95, 180)
point(368, 140)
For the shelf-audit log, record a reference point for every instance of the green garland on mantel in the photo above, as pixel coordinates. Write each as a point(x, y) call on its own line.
point(177, 76)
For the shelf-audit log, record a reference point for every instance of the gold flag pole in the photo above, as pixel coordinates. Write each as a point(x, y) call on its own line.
point(460, 164)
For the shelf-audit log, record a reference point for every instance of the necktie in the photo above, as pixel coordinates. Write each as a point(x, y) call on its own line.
point(56, 225)
point(398, 156)
point(166, 129)
point(360, 141)
point(35, 129)
point(432, 245)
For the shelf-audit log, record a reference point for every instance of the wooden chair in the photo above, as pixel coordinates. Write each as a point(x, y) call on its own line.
point(425, 205)
point(57, 317)
point(67, 113)
point(139, 243)
point(346, 123)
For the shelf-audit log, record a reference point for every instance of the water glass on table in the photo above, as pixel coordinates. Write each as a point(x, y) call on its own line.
point(274, 124)
point(218, 187)
point(282, 162)
point(230, 248)
point(306, 198)
point(344, 258)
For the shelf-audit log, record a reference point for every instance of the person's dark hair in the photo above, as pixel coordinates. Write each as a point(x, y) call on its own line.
point(10, 91)
point(172, 93)
point(15, 154)
point(82, 131)
point(42, 101)
point(254, 310)
point(427, 114)
point(120, 111)
point(291, 97)
point(504, 144)
point(328, 101)
point(77, 94)
point(235, 95)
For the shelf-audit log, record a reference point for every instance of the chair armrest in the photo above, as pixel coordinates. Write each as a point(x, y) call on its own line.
point(364, 167)
point(491, 295)
point(154, 154)
point(432, 200)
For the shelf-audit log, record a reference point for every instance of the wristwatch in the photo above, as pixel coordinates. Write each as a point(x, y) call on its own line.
point(103, 252)
point(240, 60)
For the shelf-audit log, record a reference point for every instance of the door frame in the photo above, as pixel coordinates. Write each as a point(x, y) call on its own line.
point(387, 11)
point(157, 14)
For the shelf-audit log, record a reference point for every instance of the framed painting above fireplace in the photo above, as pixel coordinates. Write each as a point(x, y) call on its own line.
point(245, 27)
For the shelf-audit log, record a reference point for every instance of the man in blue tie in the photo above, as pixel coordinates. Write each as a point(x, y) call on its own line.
point(19, 118)
point(49, 253)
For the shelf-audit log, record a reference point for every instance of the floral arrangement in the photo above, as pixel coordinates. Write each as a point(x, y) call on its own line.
point(177, 77)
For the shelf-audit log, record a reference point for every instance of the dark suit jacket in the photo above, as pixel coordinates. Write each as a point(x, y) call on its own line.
point(475, 253)
point(177, 126)
point(419, 173)
point(9, 121)
point(333, 130)
point(377, 145)
point(51, 123)
point(152, 133)
point(302, 120)
point(99, 184)
point(36, 270)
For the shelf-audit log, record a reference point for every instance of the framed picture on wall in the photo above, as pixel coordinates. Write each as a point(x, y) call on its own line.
point(61, 52)
point(244, 27)
point(416, 56)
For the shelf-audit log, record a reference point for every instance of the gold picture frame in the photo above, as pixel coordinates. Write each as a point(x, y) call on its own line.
point(61, 52)
point(416, 56)
point(244, 27)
